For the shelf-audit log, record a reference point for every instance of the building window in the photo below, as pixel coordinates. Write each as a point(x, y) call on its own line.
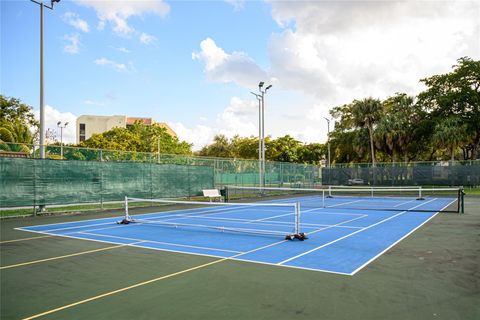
point(82, 132)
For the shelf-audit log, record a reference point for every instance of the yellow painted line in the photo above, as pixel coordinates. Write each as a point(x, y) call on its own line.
point(26, 239)
point(148, 281)
point(65, 256)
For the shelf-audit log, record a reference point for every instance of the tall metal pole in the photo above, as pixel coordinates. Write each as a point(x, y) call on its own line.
point(263, 91)
point(328, 139)
point(59, 124)
point(259, 98)
point(42, 96)
point(158, 149)
point(61, 142)
point(263, 138)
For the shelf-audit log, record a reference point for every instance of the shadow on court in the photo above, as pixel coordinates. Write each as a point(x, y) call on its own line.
point(432, 274)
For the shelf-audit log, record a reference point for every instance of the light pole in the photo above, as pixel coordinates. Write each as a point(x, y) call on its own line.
point(59, 124)
point(263, 91)
point(259, 98)
point(158, 149)
point(328, 139)
point(42, 97)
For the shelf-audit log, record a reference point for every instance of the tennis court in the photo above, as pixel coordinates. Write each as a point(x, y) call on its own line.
point(343, 236)
point(62, 274)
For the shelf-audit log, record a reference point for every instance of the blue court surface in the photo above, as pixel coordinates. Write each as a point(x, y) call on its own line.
point(340, 240)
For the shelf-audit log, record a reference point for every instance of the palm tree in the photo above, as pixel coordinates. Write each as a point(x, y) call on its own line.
point(395, 131)
point(450, 134)
point(365, 114)
point(14, 136)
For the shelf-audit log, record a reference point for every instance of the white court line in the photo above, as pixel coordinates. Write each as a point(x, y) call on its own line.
point(160, 242)
point(350, 234)
point(393, 244)
point(235, 257)
point(166, 213)
point(162, 214)
point(402, 203)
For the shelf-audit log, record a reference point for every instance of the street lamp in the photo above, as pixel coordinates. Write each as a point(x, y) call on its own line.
point(59, 124)
point(42, 98)
point(262, 92)
point(259, 98)
point(328, 139)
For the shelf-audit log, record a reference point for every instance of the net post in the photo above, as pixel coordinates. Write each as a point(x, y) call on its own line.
point(226, 196)
point(420, 197)
point(462, 200)
point(323, 198)
point(297, 218)
point(127, 216)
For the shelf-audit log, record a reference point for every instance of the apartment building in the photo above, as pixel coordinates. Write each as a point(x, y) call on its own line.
point(91, 124)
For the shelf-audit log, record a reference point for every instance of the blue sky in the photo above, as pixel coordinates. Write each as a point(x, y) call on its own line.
point(192, 64)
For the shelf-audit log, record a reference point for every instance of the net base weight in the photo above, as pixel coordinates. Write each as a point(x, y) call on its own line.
point(299, 236)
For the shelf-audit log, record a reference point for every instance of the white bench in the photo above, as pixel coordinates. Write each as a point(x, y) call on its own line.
point(212, 194)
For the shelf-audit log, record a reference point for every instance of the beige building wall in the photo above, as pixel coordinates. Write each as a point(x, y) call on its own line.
point(87, 125)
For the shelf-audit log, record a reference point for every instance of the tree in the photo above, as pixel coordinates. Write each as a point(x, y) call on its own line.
point(12, 109)
point(450, 134)
point(365, 114)
point(140, 138)
point(244, 147)
point(400, 125)
point(360, 114)
point(220, 147)
point(312, 153)
point(16, 122)
point(285, 149)
point(457, 94)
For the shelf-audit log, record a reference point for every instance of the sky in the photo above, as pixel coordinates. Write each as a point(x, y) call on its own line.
point(193, 64)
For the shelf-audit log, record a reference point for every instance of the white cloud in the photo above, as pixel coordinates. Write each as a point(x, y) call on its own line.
point(199, 135)
point(339, 51)
point(111, 63)
point(123, 49)
point(52, 116)
point(237, 4)
point(120, 49)
point(73, 19)
point(146, 38)
point(117, 13)
point(239, 117)
point(89, 102)
point(331, 52)
point(224, 67)
point(73, 43)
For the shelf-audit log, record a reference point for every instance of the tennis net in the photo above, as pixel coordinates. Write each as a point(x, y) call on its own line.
point(361, 198)
point(268, 219)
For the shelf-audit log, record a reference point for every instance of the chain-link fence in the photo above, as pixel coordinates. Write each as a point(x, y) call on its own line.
point(435, 173)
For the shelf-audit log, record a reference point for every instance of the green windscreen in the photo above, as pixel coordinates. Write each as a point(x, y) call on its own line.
point(26, 182)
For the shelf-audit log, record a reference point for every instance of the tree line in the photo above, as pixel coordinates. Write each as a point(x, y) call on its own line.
point(440, 123)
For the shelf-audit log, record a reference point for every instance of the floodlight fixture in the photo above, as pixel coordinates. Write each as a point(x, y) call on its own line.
point(259, 97)
point(260, 85)
point(59, 123)
point(268, 87)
